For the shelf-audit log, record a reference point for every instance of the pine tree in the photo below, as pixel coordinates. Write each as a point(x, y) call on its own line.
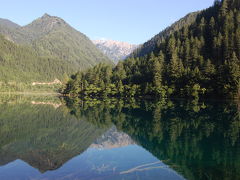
point(174, 67)
point(157, 77)
point(237, 42)
point(120, 88)
point(171, 45)
point(226, 39)
point(211, 36)
point(107, 75)
point(234, 65)
point(224, 8)
point(209, 69)
point(202, 26)
point(119, 73)
point(187, 53)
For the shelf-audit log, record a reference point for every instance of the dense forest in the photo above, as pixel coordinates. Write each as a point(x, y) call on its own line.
point(201, 58)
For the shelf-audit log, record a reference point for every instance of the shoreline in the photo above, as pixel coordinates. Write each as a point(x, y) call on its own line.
point(31, 93)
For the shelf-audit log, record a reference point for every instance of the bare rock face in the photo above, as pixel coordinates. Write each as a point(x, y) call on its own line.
point(112, 139)
point(115, 50)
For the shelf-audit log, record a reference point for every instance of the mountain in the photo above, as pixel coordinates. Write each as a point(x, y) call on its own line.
point(47, 37)
point(112, 139)
point(115, 50)
point(52, 36)
point(9, 29)
point(8, 24)
point(43, 136)
point(22, 64)
point(200, 58)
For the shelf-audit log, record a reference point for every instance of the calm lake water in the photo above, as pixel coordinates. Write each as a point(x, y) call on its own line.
point(51, 138)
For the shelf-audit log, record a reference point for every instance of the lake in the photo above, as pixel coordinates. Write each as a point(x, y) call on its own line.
point(56, 138)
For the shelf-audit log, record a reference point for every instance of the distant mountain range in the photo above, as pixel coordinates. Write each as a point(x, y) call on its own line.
point(47, 42)
point(115, 50)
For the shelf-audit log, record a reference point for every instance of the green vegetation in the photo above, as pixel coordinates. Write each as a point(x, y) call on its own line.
point(63, 42)
point(197, 59)
point(44, 50)
point(52, 37)
point(22, 64)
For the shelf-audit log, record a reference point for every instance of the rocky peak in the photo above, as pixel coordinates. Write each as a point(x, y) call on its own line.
point(44, 25)
point(112, 43)
point(52, 20)
point(112, 139)
point(46, 15)
point(115, 50)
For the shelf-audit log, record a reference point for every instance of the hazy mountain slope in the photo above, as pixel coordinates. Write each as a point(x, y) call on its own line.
point(51, 37)
point(150, 45)
point(115, 50)
point(10, 30)
point(22, 64)
point(8, 24)
point(54, 37)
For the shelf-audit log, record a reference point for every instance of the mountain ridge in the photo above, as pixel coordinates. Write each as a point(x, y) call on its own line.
point(8, 23)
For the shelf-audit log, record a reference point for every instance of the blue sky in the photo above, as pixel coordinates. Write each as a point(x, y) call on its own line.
point(133, 21)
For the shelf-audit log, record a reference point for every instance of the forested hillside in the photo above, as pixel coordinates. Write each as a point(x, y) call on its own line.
point(150, 45)
point(199, 59)
point(43, 50)
point(52, 36)
point(22, 64)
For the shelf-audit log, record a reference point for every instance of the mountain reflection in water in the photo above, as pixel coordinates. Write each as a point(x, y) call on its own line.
point(118, 140)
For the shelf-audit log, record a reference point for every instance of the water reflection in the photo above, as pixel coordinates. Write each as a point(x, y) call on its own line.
point(118, 139)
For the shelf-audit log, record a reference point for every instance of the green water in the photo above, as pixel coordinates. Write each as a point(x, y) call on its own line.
point(52, 138)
